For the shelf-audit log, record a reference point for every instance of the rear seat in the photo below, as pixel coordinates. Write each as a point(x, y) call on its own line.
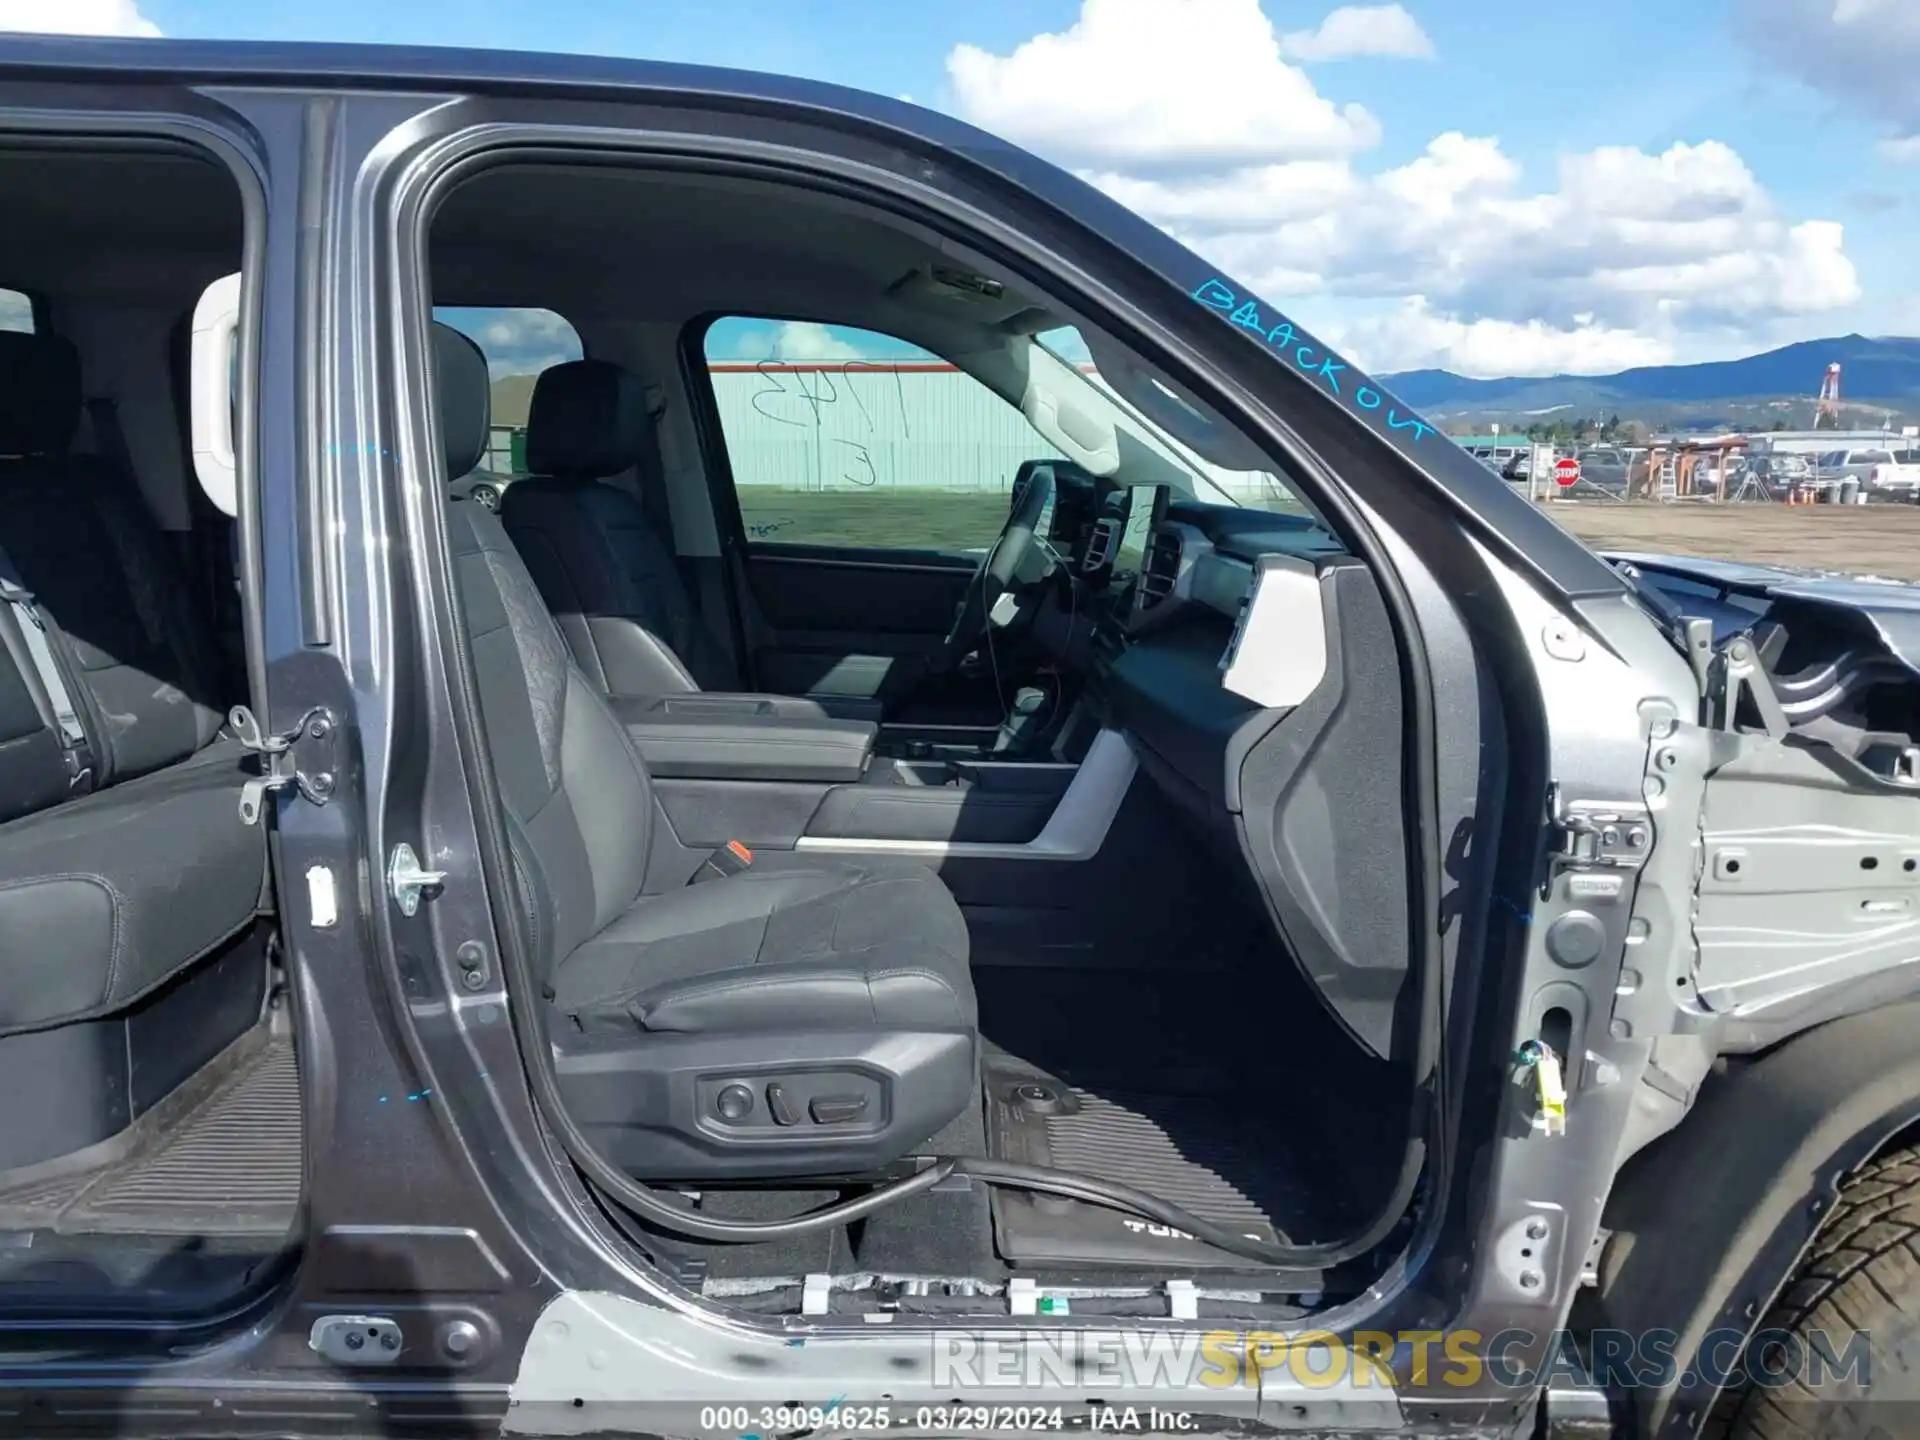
point(123, 859)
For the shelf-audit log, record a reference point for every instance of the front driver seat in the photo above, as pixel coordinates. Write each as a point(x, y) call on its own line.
point(799, 1017)
point(607, 573)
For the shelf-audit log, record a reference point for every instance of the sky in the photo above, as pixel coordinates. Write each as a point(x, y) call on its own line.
point(1489, 186)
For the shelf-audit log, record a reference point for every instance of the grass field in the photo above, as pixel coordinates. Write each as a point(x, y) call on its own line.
point(887, 519)
point(1860, 539)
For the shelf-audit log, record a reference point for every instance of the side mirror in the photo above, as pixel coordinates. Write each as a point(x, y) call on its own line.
point(216, 343)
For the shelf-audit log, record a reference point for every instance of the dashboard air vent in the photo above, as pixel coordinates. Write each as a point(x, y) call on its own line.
point(1160, 571)
point(1104, 545)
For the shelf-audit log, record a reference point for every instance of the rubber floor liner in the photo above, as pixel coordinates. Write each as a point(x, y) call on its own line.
point(230, 1166)
point(1202, 1152)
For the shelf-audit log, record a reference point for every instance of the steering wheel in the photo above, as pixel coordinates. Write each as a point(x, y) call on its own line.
point(1000, 568)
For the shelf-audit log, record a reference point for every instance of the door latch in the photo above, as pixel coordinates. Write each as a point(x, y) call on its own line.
point(282, 763)
point(406, 881)
point(357, 1339)
point(1594, 835)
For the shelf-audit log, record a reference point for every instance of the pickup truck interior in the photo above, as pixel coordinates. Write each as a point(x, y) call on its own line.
point(150, 1152)
point(897, 806)
point(974, 853)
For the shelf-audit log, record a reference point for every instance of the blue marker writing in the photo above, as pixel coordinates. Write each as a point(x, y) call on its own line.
point(1216, 294)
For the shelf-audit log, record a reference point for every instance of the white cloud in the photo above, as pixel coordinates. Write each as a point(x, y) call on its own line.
point(75, 17)
point(809, 340)
point(1626, 258)
point(1413, 336)
point(1903, 149)
point(1137, 84)
point(1864, 53)
point(515, 341)
point(1354, 30)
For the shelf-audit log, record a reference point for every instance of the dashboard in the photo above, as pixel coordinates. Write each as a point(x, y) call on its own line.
point(1138, 561)
point(1257, 679)
point(1208, 555)
point(1251, 663)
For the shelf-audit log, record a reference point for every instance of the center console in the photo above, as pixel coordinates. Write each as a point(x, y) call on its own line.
point(753, 737)
point(984, 802)
point(788, 772)
point(769, 773)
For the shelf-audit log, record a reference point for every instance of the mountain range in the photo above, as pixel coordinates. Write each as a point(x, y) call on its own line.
point(1877, 376)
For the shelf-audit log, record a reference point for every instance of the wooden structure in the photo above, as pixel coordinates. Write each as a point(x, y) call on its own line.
point(1692, 469)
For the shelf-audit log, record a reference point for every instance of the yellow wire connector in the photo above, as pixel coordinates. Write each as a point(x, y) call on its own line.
point(1549, 1087)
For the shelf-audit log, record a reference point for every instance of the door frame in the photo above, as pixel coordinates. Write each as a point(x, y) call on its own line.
point(70, 114)
point(1477, 766)
point(1166, 334)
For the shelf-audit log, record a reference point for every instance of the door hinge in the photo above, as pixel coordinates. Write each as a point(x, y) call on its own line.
point(1740, 669)
point(1598, 835)
point(301, 756)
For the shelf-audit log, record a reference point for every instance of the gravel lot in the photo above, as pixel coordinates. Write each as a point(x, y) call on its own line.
point(1859, 539)
point(1879, 540)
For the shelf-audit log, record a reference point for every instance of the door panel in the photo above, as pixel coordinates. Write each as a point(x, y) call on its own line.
point(901, 600)
point(845, 622)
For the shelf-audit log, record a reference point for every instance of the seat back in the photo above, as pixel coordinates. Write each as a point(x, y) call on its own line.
point(33, 765)
point(82, 541)
point(578, 801)
point(600, 561)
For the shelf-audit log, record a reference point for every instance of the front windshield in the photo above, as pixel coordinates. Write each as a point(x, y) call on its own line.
point(1179, 464)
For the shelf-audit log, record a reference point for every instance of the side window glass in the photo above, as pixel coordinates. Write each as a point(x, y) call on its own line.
point(1184, 430)
point(849, 438)
point(16, 312)
point(519, 344)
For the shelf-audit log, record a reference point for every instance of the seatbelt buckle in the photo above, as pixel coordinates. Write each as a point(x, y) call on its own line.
point(730, 859)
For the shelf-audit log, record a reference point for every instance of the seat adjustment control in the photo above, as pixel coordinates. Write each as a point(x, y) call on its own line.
point(734, 1103)
point(834, 1109)
point(782, 1108)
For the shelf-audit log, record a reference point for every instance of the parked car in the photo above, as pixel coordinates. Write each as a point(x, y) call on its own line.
point(1784, 475)
point(1833, 467)
point(1519, 466)
point(1603, 467)
point(565, 962)
point(1895, 478)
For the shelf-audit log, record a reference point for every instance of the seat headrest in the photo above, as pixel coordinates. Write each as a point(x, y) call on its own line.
point(39, 394)
point(588, 420)
point(465, 392)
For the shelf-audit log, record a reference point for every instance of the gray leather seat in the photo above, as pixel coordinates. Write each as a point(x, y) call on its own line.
point(607, 574)
point(603, 563)
point(798, 989)
point(123, 859)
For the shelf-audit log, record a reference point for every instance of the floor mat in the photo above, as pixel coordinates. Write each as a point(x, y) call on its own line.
point(1215, 1158)
point(230, 1166)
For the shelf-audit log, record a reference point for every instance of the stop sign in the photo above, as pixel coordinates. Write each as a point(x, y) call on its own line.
point(1566, 470)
